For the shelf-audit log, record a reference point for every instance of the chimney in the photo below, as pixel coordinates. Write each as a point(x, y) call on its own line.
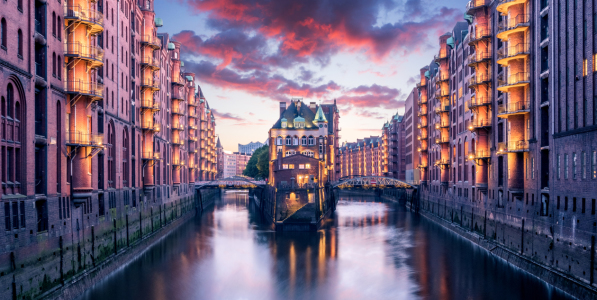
point(313, 107)
point(282, 108)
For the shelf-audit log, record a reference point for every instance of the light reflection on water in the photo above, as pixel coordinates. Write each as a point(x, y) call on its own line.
point(370, 250)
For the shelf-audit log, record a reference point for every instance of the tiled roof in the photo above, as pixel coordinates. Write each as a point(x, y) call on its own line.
point(292, 112)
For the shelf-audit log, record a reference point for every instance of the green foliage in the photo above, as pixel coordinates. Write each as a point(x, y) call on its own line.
point(258, 164)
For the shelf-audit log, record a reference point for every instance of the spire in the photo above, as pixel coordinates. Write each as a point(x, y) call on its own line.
point(218, 145)
point(319, 116)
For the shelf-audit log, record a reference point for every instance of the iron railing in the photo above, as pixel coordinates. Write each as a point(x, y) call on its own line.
point(511, 51)
point(152, 40)
point(84, 87)
point(515, 107)
point(88, 15)
point(84, 51)
point(513, 146)
point(84, 139)
point(513, 79)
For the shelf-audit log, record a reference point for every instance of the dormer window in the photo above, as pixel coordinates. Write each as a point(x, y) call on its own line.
point(284, 123)
point(299, 122)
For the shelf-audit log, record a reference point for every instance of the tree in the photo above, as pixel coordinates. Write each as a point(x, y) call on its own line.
point(258, 165)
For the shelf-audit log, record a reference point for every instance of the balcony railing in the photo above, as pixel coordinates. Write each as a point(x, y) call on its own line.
point(479, 56)
point(442, 140)
point(439, 93)
point(421, 84)
point(150, 83)
point(178, 127)
point(513, 52)
point(443, 54)
point(474, 5)
point(422, 112)
point(479, 34)
point(152, 41)
point(514, 108)
point(479, 154)
point(177, 162)
point(178, 141)
point(479, 101)
point(93, 89)
point(151, 61)
point(178, 80)
point(422, 100)
point(442, 124)
point(514, 23)
point(518, 146)
point(150, 104)
point(422, 137)
point(479, 78)
point(151, 126)
point(77, 49)
point(79, 138)
point(442, 109)
point(422, 125)
point(422, 148)
point(441, 162)
point(89, 16)
point(479, 123)
point(443, 76)
point(517, 79)
point(177, 111)
point(151, 155)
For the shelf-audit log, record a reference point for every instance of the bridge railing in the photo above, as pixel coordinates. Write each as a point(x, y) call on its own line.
point(287, 186)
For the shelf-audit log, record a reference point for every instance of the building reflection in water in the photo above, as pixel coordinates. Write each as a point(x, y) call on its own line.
point(369, 250)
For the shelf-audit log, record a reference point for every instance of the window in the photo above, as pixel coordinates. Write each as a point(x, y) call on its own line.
point(574, 204)
point(295, 141)
point(308, 166)
point(583, 165)
point(311, 141)
point(20, 5)
point(301, 166)
point(594, 165)
point(532, 168)
point(7, 216)
point(41, 208)
point(304, 140)
point(565, 203)
point(291, 166)
point(59, 28)
point(59, 68)
point(284, 166)
point(20, 43)
point(3, 34)
point(573, 165)
point(565, 166)
point(290, 152)
point(288, 141)
point(279, 141)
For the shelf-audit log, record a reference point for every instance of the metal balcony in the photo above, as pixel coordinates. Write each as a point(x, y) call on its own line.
point(442, 162)
point(512, 25)
point(479, 34)
point(150, 155)
point(478, 124)
point(90, 17)
point(92, 89)
point(421, 137)
point(516, 108)
point(442, 124)
point(151, 41)
point(479, 57)
point(422, 100)
point(150, 62)
point(178, 142)
point(422, 149)
point(150, 126)
point(77, 138)
point(442, 109)
point(503, 5)
point(442, 140)
point(178, 127)
point(178, 80)
point(512, 81)
point(478, 101)
point(150, 84)
point(177, 111)
point(441, 93)
point(92, 54)
point(479, 79)
point(150, 105)
point(479, 154)
point(443, 77)
point(474, 5)
point(512, 147)
point(422, 113)
point(421, 84)
point(518, 51)
point(443, 54)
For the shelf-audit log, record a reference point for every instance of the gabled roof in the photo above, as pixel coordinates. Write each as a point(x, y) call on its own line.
point(292, 112)
point(320, 116)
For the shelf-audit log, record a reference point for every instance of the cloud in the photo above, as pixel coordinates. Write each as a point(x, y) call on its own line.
point(226, 116)
point(374, 96)
point(378, 74)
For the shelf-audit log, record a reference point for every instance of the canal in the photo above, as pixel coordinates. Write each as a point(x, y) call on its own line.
point(371, 249)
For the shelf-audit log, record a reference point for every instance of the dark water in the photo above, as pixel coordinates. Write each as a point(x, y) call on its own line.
point(371, 250)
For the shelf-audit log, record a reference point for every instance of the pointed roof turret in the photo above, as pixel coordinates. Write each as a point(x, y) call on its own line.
point(319, 116)
point(218, 145)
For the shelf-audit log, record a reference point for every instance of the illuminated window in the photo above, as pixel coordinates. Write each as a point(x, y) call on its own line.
point(594, 164)
point(291, 166)
point(285, 166)
point(583, 165)
point(585, 67)
point(301, 167)
point(308, 166)
point(288, 141)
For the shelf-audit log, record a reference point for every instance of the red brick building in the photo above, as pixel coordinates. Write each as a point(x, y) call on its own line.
point(365, 157)
point(99, 121)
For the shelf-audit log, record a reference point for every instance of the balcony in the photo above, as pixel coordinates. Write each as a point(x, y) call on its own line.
point(77, 138)
point(421, 84)
point(150, 62)
point(422, 148)
point(512, 25)
point(443, 139)
point(519, 51)
point(178, 142)
point(193, 138)
point(94, 55)
point(150, 105)
point(150, 126)
point(474, 5)
point(177, 162)
point(512, 147)
point(442, 162)
point(178, 127)
point(512, 81)
point(443, 54)
point(422, 100)
point(92, 89)
point(192, 103)
point(516, 108)
point(177, 111)
point(440, 93)
point(503, 5)
point(90, 17)
point(193, 127)
point(422, 125)
point(479, 57)
point(422, 112)
point(479, 34)
point(150, 84)
point(442, 124)
point(479, 123)
point(442, 109)
point(478, 101)
point(178, 80)
point(177, 95)
point(479, 79)
point(443, 77)
point(150, 155)
point(422, 137)
point(479, 154)
point(151, 41)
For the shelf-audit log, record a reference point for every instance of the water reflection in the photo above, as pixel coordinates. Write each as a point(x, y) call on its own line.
point(369, 250)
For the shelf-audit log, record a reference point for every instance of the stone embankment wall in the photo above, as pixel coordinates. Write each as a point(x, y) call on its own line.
point(64, 265)
point(540, 245)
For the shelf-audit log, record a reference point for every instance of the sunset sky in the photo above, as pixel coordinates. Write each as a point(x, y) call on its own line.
point(249, 55)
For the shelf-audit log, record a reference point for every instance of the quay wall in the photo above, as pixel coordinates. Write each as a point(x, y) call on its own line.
point(73, 256)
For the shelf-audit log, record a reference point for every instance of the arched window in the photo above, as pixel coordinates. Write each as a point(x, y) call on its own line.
point(59, 68)
point(59, 28)
point(20, 43)
point(311, 141)
point(3, 33)
point(11, 141)
point(279, 141)
point(54, 64)
point(20, 5)
point(304, 140)
point(295, 140)
point(288, 141)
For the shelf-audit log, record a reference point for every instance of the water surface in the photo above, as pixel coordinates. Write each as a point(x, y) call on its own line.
point(371, 249)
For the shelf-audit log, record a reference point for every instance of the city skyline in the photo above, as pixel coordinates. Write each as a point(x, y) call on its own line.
point(279, 52)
